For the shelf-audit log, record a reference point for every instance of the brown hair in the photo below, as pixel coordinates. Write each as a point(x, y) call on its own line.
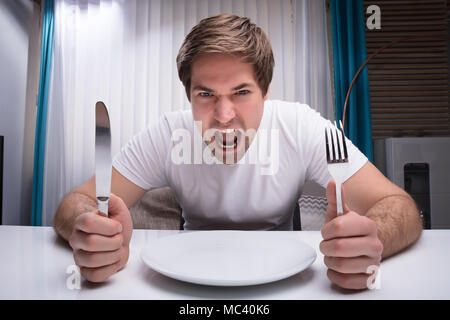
point(229, 34)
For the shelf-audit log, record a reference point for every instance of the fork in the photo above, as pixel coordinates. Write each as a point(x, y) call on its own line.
point(337, 159)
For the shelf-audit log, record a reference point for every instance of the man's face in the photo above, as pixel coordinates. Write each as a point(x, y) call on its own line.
point(228, 101)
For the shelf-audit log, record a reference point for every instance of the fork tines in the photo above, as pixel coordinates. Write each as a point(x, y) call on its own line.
point(340, 145)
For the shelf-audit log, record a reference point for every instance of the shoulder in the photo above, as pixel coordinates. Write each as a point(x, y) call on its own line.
point(292, 113)
point(159, 132)
point(280, 106)
point(169, 122)
point(287, 108)
point(177, 119)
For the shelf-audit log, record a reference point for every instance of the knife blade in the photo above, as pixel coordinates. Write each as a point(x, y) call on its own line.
point(103, 160)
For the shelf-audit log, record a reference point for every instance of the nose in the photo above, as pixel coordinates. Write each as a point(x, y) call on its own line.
point(224, 111)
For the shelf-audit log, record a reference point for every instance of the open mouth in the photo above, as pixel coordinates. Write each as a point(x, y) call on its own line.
point(228, 139)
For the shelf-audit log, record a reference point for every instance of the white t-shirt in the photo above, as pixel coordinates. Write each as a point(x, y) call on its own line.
point(257, 193)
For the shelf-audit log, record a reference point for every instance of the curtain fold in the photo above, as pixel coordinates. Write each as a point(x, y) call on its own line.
point(312, 60)
point(349, 53)
point(123, 53)
point(42, 107)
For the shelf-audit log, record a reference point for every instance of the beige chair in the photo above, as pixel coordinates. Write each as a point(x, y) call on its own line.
point(312, 211)
point(159, 209)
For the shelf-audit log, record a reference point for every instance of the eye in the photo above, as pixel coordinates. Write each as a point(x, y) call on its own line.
point(242, 92)
point(205, 94)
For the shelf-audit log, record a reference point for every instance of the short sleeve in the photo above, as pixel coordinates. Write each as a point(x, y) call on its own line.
point(143, 159)
point(311, 131)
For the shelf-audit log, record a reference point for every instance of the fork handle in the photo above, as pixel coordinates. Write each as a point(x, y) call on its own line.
point(340, 210)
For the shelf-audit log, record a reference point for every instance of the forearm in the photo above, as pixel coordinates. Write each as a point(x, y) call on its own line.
point(398, 223)
point(73, 204)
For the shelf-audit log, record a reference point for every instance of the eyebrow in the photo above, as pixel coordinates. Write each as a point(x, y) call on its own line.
point(202, 88)
point(242, 85)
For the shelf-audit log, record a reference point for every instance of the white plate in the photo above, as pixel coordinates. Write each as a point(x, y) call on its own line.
point(229, 258)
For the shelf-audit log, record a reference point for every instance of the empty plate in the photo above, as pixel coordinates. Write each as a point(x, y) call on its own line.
point(229, 258)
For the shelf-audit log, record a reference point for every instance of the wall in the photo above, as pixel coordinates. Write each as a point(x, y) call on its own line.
point(19, 40)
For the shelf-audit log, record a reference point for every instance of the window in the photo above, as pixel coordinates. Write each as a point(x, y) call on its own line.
point(409, 82)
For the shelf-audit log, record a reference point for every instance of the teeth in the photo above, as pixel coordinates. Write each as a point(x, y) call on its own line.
point(227, 146)
point(229, 133)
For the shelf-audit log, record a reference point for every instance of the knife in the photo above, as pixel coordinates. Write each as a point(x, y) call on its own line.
point(103, 161)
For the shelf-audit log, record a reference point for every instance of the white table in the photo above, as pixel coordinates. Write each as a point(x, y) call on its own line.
point(36, 264)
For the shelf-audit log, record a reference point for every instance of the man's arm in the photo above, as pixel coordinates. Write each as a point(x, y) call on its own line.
point(100, 244)
point(82, 199)
point(397, 218)
point(73, 204)
point(379, 220)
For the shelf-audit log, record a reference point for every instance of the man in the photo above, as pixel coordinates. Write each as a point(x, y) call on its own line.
point(226, 65)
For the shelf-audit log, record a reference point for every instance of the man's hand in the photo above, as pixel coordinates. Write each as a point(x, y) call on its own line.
point(350, 244)
point(101, 244)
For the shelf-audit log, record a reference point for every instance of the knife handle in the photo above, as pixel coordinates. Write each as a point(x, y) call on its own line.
point(103, 205)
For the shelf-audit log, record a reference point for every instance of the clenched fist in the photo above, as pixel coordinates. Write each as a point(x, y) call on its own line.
point(101, 244)
point(350, 245)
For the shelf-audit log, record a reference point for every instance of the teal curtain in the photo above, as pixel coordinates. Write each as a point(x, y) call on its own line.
point(41, 120)
point(349, 53)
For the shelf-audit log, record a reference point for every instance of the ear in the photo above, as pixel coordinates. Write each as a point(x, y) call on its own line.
point(188, 92)
point(267, 93)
